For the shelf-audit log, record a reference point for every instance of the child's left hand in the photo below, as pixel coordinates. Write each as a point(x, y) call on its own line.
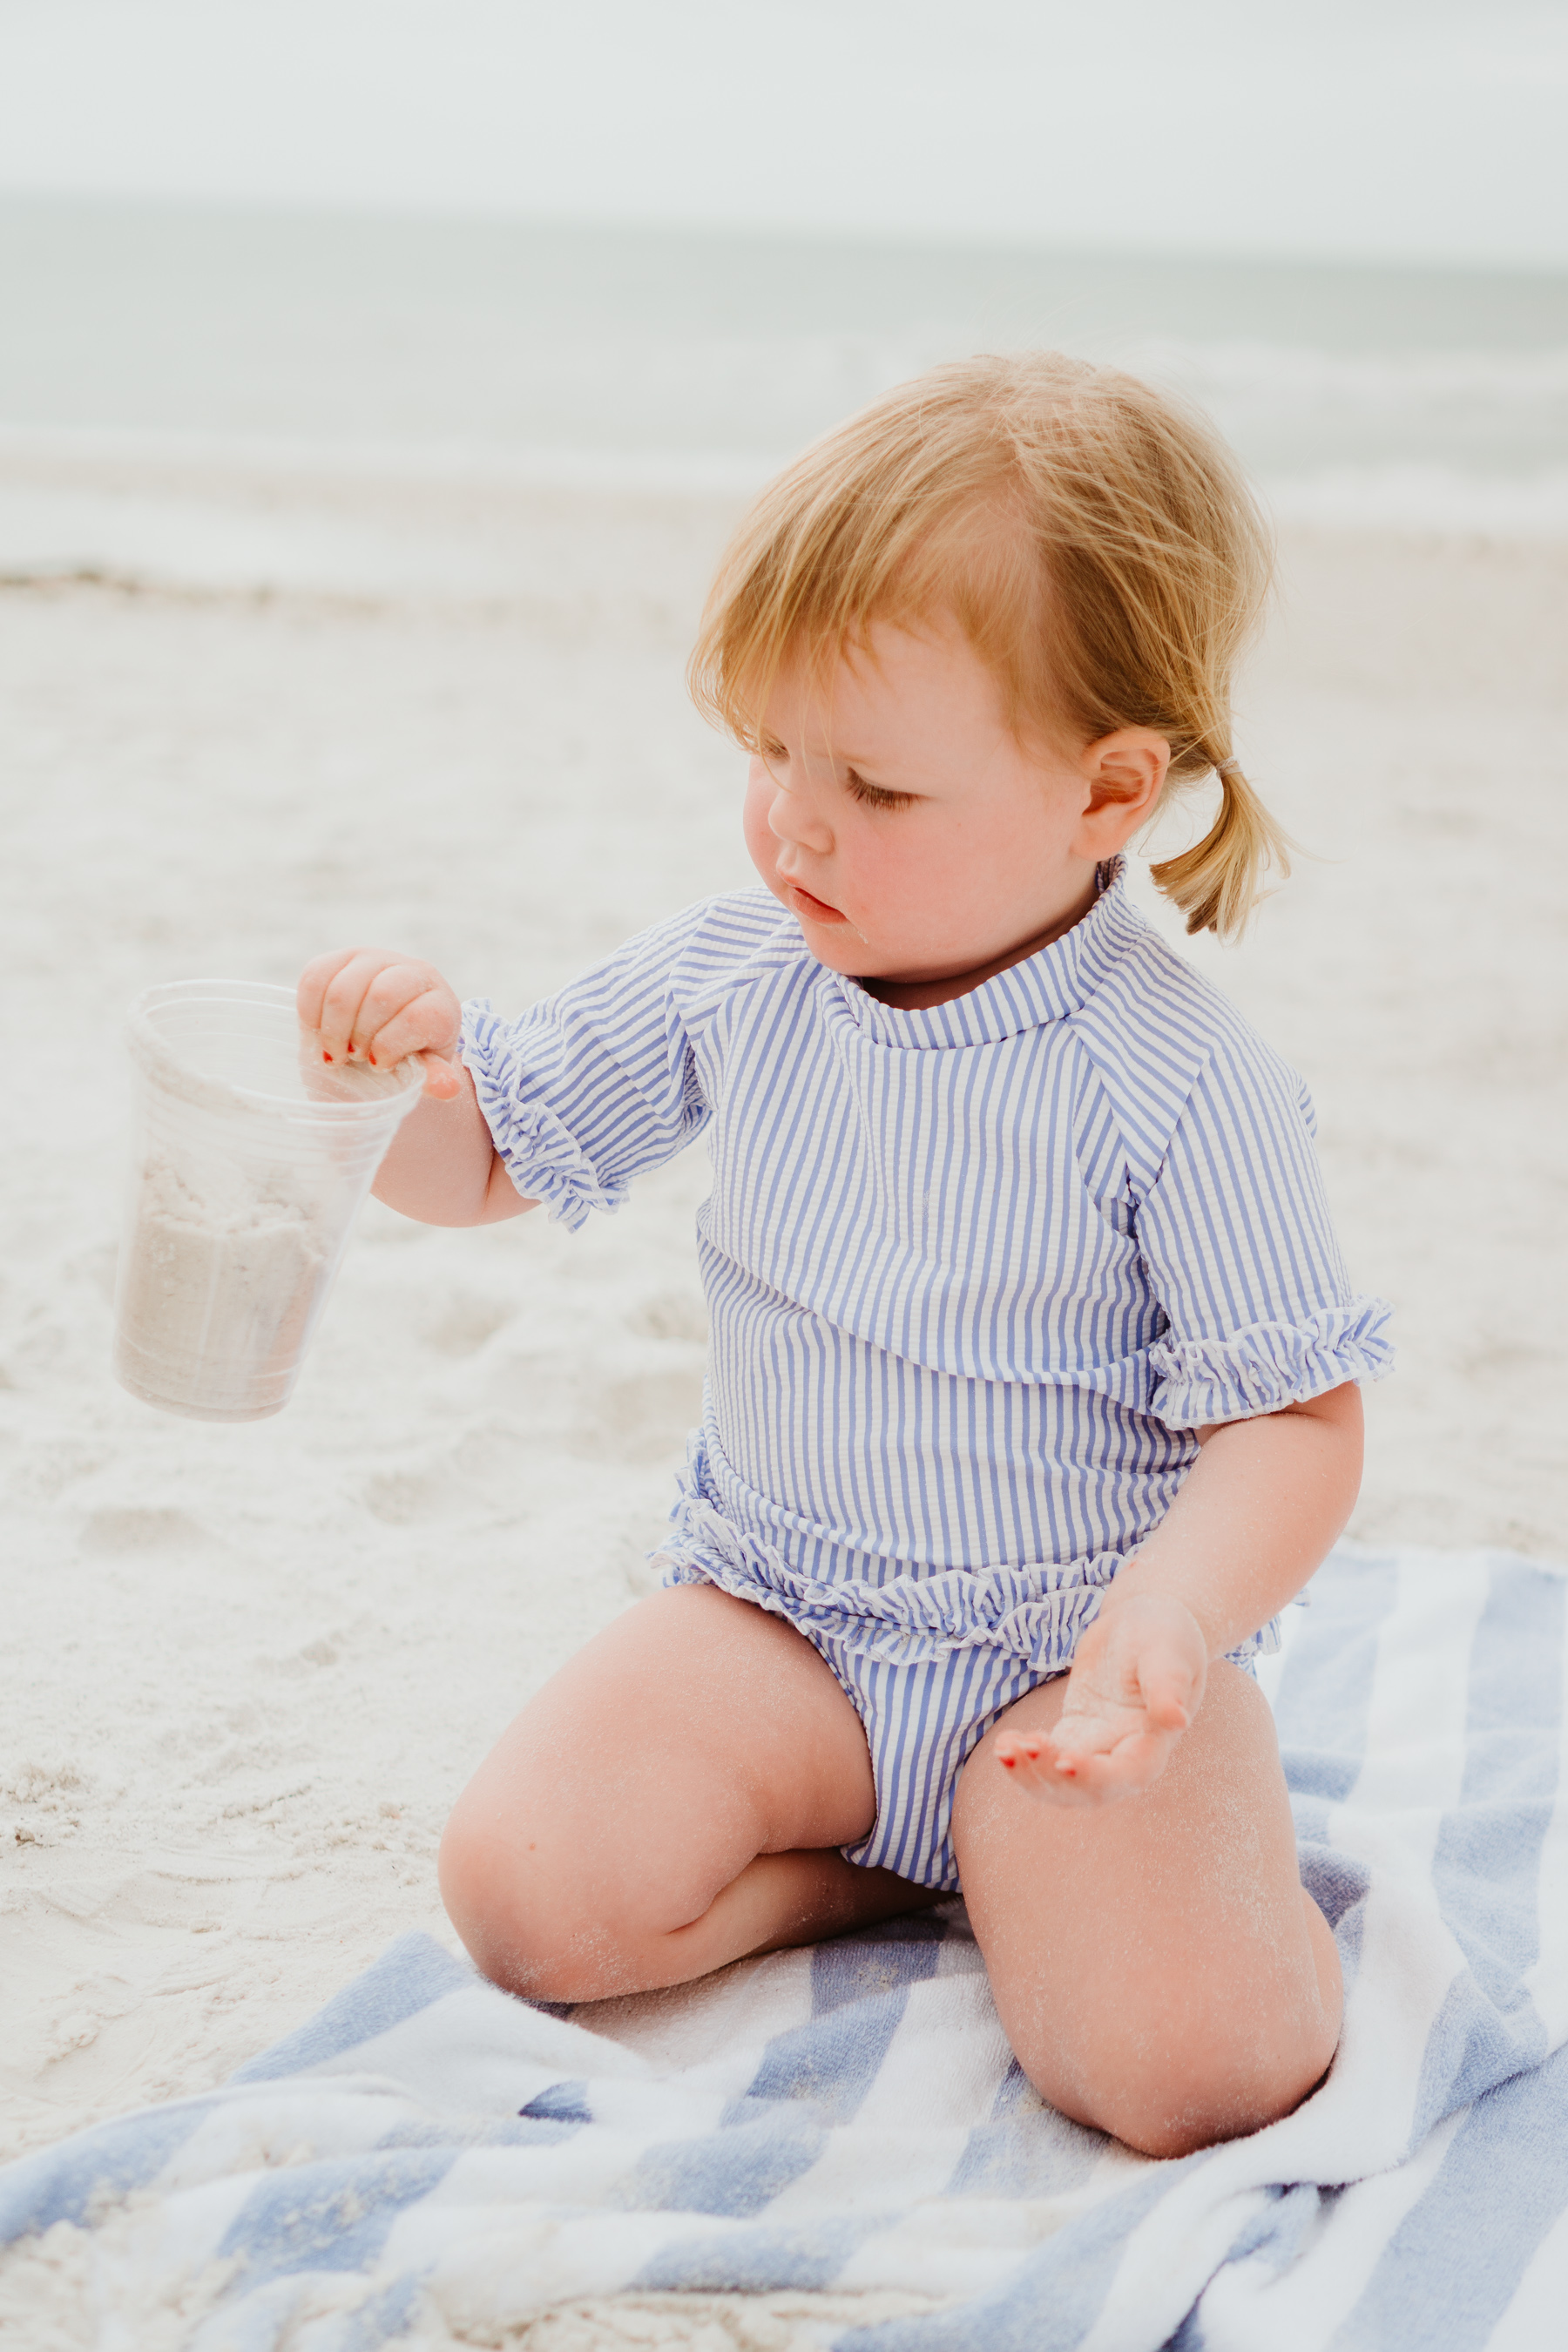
point(1137, 1681)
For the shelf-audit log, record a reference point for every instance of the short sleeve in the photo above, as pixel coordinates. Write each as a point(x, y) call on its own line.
point(1241, 1255)
point(596, 1085)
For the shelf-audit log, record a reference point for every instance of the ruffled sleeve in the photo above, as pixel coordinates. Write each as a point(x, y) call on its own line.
point(1269, 1364)
point(1242, 1256)
point(595, 1086)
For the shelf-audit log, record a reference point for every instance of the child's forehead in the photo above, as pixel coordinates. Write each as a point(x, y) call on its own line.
point(873, 682)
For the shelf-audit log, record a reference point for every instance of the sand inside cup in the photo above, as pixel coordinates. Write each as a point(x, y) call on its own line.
point(243, 1191)
point(211, 1282)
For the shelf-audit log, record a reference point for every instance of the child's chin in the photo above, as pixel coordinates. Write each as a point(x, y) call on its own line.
point(840, 947)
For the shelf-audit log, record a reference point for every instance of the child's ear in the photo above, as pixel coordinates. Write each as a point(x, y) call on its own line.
point(1125, 773)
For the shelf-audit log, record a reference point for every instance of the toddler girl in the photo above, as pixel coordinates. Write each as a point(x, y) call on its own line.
point(1032, 1388)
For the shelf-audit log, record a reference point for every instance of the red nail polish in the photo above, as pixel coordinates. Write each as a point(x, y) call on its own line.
point(373, 1061)
point(325, 1056)
point(351, 1046)
point(1008, 1762)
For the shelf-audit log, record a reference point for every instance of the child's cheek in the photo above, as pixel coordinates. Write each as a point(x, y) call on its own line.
point(881, 869)
point(760, 841)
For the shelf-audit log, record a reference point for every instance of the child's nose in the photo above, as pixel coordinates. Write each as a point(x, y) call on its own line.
point(793, 819)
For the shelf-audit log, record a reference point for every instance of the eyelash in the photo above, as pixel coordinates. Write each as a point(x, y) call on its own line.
point(873, 796)
point(869, 796)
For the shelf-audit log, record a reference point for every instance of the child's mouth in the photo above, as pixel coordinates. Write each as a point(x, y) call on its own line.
point(816, 910)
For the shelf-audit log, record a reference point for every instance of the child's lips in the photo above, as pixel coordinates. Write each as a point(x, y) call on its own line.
point(816, 910)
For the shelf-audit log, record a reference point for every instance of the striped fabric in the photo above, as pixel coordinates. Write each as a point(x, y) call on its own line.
point(975, 1275)
point(429, 2161)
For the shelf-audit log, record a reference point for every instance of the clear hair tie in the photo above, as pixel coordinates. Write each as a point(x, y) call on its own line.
point(1225, 769)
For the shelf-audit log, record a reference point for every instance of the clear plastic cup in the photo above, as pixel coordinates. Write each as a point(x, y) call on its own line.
point(250, 1160)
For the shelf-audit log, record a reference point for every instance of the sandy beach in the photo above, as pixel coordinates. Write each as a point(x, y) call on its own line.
point(248, 1668)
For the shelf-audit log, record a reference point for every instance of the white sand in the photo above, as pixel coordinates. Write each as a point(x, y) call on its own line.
point(248, 1668)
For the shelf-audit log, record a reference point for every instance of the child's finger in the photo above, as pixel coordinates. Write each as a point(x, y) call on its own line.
point(1085, 1781)
point(1169, 1696)
point(1138, 1763)
point(1037, 1758)
point(1125, 1770)
point(1088, 1733)
point(341, 999)
point(1036, 1775)
point(389, 992)
point(1096, 1761)
point(314, 982)
point(443, 1081)
point(405, 1012)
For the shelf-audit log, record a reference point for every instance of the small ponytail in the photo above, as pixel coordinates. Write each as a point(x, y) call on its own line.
point(1217, 882)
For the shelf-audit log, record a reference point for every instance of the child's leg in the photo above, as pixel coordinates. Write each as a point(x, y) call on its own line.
point(672, 1800)
point(1159, 1969)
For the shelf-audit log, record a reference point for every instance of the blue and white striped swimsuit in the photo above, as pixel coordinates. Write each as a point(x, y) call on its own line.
point(975, 1275)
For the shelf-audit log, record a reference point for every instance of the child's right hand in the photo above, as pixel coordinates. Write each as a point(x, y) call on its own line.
point(369, 1004)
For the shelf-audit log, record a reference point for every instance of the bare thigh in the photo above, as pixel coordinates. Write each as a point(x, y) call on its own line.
point(674, 1798)
point(1158, 1968)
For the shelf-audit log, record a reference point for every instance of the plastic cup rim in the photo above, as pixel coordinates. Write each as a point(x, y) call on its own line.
point(153, 1050)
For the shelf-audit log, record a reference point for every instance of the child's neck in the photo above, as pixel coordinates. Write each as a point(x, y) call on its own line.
point(919, 995)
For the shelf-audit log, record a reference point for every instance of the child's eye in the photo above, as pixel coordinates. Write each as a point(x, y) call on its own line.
point(874, 796)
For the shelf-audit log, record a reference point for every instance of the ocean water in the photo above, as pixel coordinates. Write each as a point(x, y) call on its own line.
point(650, 360)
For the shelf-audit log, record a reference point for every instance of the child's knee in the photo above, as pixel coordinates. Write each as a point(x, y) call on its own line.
point(515, 1920)
point(529, 1918)
point(1173, 2102)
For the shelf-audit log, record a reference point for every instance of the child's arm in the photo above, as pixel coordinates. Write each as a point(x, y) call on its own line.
point(368, 1004)
point(1255, 1515)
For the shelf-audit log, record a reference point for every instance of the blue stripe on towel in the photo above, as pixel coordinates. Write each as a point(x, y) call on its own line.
point(329, 2216)
point(900, 1952)
point(59, 2184)
point(1454, 2264)
point(1486, 1867)
point(834, 2059)
point(1487, 1860)
point(1051, 2300)
point(410, 1974)
point(560, 2102)
point(735, 2171)
point(1325, 1690)
point(382, 2320)
point(1321, 1713)
point(756, 2261)
point(1273, 2235)
point(817, 2073)
point(1025, 2148)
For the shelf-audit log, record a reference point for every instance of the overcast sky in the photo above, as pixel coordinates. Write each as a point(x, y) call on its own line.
point(1387, 129)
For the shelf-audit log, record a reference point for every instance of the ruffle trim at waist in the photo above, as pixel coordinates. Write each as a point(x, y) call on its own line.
point(1270, 1365)
point(1038, 1614)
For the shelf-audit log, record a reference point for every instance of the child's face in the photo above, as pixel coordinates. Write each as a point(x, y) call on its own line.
point(896, 814)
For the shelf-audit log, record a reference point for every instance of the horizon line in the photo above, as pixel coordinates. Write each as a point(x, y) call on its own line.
point(996, 243)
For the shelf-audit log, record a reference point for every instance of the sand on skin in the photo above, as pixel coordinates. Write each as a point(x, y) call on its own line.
point(251, 1667)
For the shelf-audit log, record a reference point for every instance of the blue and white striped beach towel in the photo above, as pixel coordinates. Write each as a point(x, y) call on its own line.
point(431, 2161)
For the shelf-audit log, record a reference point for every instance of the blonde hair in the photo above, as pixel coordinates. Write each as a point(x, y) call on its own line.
point(1096, 544)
